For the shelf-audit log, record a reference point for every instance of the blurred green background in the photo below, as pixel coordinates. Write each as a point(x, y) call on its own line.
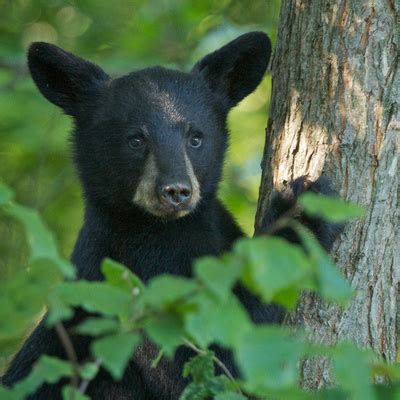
point(120, 35)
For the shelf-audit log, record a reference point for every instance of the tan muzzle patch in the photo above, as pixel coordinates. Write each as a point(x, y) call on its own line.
point(146, 195)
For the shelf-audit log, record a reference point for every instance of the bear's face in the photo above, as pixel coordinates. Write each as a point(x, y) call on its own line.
point(155, 139)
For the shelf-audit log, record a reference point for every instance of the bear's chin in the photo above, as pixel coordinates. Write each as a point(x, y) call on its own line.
point(169, 213)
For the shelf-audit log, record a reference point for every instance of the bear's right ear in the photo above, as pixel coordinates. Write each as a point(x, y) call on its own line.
point(64, 79)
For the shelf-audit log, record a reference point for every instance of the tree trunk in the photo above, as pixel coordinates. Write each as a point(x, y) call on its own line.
point(335, 111)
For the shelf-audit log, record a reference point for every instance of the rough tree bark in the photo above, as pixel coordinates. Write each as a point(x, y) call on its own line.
point(335, 111)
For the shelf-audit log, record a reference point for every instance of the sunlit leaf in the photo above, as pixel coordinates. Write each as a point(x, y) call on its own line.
point(331, 284)
point(268, 357)
point(166, 331)
point(97, 326)
point(275, 269)
point(200, 367)
point(6, 194)
point(218, 274)
point(95, 297)
point(115, 351)
point(352, 371)
point(229, 396)
point(213, 321)
point(70, 393)
point(331, 209)
point(46, 369)
point(24, 295)
point(121, 277)
point(164, 290)
point(9, 394)
point(41, 241)
point(89, 370)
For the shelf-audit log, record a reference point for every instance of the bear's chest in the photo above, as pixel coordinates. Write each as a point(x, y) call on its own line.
point(153, 252)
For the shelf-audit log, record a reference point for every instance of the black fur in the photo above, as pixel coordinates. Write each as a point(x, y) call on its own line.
point(163, 105)
point(286, 200)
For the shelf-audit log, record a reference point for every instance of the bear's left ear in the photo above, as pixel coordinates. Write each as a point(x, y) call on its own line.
point(236, 69)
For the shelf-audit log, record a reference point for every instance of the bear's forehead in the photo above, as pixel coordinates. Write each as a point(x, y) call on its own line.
point(170, 94)
point(157, 83)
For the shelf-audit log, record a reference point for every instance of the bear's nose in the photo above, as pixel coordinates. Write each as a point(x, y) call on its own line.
point(176, 194)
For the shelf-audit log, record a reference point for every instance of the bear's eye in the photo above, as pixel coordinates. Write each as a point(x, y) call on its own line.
point(136, 141)
point(196, 140)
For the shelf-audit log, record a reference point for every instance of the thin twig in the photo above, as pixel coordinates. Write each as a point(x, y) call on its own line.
point(69, 349)
point(224, 368)
point(283, 221)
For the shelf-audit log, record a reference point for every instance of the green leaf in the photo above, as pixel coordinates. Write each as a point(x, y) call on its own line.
point(89, 370)
point(229, 396)
point(70, 393)
point(95, 297)
point(166, 331)
point(6, 194)
point(9, 394)
point(121, 277)
point(268, 358)
point(97, 326)
point(200, 367)
point(275, 269)
point(208, 389)
point(47, 369)
point(212, 321)
point(218, 274)
point(23, 296)
point(58, 311)
point(115, 351)
point(352, 371)
point(195, 391)
point(389, 371)
point(41, 241)
point(164, 290)
point(219, 384)
point(331, 209)
point(330, 283)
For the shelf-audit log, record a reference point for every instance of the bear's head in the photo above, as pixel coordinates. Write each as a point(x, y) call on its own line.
point(153, 140)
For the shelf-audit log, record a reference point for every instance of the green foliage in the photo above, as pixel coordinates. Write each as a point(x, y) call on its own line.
point(261, 258)
point(331, 209)
point(268, 356)
point(229, 396)
point(352, 371)
point(214, 321)
point(330, 283)
point(97, 326)
point(196, 312)
point(166, 331)
point(6, 194)
point(23, 296)
point(94, 297)
point(120, 36)
point(205, 384)
point(218, 275)
point(165, 290)
point(170, 311)
point(201, 367)
point(47, 369)
point(71, 393)
point(120, 277)
point(41, 241)
point(114, 351)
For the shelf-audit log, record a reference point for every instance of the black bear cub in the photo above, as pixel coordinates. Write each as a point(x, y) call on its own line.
point(149, 149)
